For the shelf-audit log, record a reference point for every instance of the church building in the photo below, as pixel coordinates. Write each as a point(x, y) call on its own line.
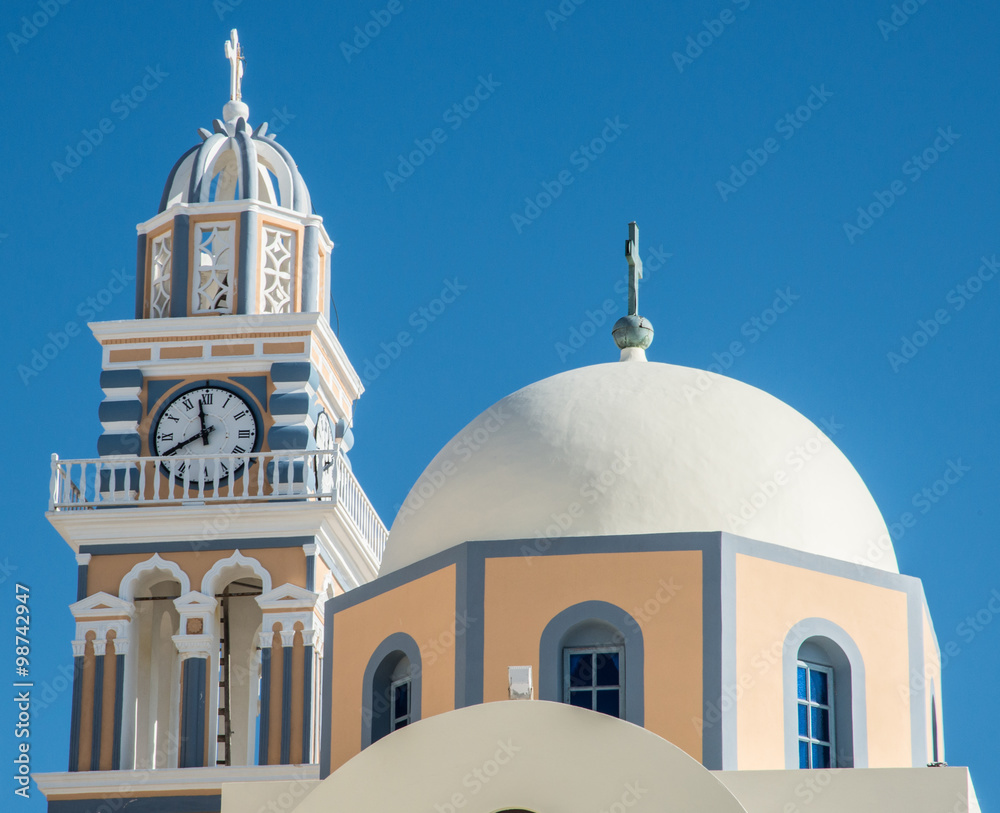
point(630, 586)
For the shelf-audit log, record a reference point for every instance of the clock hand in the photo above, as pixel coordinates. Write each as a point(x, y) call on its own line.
point(191, 439)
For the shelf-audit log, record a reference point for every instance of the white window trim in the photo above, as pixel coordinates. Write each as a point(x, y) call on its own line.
point(577, 650)
point(810, 704)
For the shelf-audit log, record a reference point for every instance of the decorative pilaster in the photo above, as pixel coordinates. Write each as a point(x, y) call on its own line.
point(196, 645)
point(292, 623)
point(99, 649)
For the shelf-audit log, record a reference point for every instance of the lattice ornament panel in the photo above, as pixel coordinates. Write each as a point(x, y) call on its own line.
point(212, 291)
point(277, 269)
point(159, 289)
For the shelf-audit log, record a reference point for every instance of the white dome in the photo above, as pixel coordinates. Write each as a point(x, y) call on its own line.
point(632, 447)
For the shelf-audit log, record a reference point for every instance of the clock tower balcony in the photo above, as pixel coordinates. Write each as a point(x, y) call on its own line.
point(197, 489)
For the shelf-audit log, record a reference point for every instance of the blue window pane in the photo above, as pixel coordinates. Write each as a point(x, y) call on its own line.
point(607, 668)
point(802, 684)
point(581, 699)
point(820, 724)
point(821, 756)
point(803, 754)
point(400, 701)
point(581, 671)
point(817, 687)
point(803, 721)
point(607, 701)
point(398, 724)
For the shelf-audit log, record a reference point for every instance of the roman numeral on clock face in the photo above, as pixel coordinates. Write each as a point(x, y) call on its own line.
point(205, 423)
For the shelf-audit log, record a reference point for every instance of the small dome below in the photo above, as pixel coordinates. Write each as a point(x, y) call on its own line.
point(237, 163)
point(641, 448)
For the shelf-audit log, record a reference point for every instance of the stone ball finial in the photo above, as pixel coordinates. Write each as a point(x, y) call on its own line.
point(633, 331)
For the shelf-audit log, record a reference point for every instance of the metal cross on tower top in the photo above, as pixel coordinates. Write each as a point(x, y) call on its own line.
point(634, 268)
point(234, 53)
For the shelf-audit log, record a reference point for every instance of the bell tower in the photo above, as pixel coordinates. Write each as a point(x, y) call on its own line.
point(221, 510)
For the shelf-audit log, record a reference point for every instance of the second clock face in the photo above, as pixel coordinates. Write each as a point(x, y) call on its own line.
point(205, 421)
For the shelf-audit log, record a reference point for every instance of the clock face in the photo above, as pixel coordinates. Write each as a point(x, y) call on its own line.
point(324, 463)
point(202, 422)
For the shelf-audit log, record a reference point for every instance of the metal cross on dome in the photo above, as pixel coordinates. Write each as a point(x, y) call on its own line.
point(634, 268)
point(234, 53)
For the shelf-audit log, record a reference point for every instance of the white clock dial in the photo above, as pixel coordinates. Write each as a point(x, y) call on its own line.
point(206, 421)
point(324, 463)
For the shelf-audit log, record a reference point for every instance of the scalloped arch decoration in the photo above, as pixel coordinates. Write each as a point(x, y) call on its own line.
point(234, 566)
point(154, 564)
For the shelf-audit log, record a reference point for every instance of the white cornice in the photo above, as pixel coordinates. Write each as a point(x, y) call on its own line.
point(231, 207)
point(341, 546)
point(146, 330)
point(114, 784)
point(125, 332)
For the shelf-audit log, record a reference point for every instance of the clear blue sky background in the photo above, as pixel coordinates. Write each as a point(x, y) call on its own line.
point(886, 95)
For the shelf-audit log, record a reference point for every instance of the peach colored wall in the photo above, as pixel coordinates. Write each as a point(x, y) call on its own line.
point(286, 565)
point(524, 593)
point(772, 597)
point(425, 610)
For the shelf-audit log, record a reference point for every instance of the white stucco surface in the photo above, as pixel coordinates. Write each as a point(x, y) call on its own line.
point(521, 755)
point(626, 448)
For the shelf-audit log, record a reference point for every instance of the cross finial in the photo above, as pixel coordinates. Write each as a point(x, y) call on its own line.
point(632, 333)
point(634, 268)
point(234, 53)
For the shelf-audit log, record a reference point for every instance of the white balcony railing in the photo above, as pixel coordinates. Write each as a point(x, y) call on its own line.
point(262, 477)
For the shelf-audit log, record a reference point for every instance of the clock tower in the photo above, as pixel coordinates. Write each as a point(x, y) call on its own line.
point(221, 511)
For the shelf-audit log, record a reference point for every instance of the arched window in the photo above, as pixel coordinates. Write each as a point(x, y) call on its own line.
point(591, 656)
point(824, 698)
point(392, 688)
point(236, 693)
point(155, 675)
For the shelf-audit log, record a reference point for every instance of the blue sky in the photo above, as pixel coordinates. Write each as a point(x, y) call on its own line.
point(763, 148)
